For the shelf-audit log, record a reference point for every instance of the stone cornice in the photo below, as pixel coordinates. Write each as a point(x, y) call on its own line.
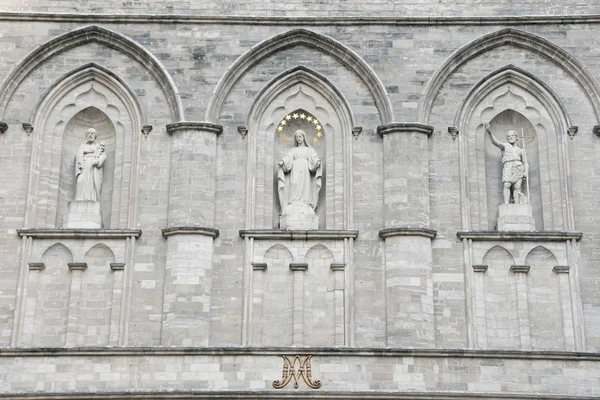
point(404, 127)
point(190, 230)
point(273, 234)
point(536, 236)
point(79, 233)
point(407, 231)
point(278, 351)
point(194, 126)
point(291, 21)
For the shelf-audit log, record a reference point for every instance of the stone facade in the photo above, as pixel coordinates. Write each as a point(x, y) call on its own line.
point(407, 289)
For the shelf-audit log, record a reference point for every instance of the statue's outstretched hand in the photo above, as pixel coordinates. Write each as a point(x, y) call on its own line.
point(488, 128)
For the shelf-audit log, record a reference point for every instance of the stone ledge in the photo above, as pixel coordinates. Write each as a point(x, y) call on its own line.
point(407, 231)
point(278, 351)
point(404, 127)
point(194, 126)
point(151, 18)
point(274, 234)
point(163, 394)
point(536, 236)
point(190, 230)
point(79, 233)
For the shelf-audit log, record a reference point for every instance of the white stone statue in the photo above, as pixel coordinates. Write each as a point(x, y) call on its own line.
point(514, 166)
point(88, 168)
point(298, 185)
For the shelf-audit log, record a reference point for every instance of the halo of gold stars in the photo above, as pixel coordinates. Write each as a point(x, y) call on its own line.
point(300, 115)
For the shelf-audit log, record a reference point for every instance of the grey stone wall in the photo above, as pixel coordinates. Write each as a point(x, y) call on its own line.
point(383, 73)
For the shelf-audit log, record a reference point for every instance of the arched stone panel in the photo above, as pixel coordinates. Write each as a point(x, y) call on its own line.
point(90, 95)
point(93, 34)
point(319, 298)
point(272, 305)
point(47, 305)
point(501, 306)
point(507, 92)
point(295, 37)
point(304, 89)
point(519, 39)
point(544, 301)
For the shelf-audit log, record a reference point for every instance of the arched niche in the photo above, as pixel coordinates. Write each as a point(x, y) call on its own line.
point(514, 98)
point(505, 121)
point(303, 90)
point(73, 137)
point(84, 98)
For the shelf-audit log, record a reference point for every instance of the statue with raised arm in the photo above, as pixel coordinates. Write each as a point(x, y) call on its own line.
point(514, 166)
point(298, 184)
point(88, 168)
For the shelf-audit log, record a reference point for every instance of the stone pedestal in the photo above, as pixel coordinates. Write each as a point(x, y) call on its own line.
point(298, 216)
point(83, 215)
point(516, 217)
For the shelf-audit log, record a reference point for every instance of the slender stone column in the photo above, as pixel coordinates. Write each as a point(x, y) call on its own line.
point(190, 234)
point(408, 255)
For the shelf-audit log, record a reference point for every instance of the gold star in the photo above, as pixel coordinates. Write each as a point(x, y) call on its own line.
point(316, 122)
point(308, 119)
point(302, 116)
point(280, 128)
point(319, 134)
point(315, 140)
point(282, 122)
point(295, 116)
point(318, 127)
point(288, 117)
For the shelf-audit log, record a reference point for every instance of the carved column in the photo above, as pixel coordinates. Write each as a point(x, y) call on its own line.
point(408, 256)
point(190, 234)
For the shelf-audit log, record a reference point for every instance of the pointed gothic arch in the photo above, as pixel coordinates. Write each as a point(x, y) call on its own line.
point(93, 34)
point(295, 37)
point(517, 38)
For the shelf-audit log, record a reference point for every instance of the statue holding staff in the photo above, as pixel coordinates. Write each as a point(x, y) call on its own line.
point(515, 167)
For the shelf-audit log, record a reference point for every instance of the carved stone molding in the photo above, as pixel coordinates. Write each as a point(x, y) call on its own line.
point(3, 127)
point(404, 127)
point(194, 126)
point(146, 129)
point(407, 231)
point(270, 234)
point(453, 131)
point(356, 131)
point(480, 268)
point(561, 269)
point(536, 236)
point(296, 368)
point(79, 233)
point(337, 266)
point(28, 128)
point(243, 130)
point(117, 266)
point(37, 266)
point(77, 266)
point(572, 131)
point(298, 266)
point(520, 269)
point(256, 266)
point(190, 230)
point(596, 130)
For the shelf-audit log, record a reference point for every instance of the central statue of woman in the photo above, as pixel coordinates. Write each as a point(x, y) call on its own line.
point(298, 185)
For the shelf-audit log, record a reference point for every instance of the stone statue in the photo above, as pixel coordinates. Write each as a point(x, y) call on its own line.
point(514, 166)
point(298, 185)
point(88, 168)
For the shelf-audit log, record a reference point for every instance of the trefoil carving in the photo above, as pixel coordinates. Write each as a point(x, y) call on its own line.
point(290, 372)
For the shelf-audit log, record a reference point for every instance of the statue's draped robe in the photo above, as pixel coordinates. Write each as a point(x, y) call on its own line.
point(89, 177)
point(512, 163)
point(299, 177)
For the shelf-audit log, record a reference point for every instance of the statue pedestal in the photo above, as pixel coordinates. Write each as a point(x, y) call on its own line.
point(83, 215)
point(515, 217)
point(298, 216)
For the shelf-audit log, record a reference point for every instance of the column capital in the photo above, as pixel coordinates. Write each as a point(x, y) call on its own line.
point(404, 127)
point(194, 126)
